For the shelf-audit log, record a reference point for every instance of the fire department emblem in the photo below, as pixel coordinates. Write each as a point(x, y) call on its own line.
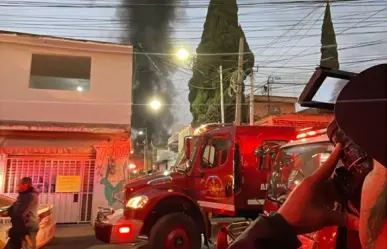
point(214, 186)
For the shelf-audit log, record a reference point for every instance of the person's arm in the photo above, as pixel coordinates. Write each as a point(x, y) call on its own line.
point(22, 206)
point(9, 211)
point(272, 232)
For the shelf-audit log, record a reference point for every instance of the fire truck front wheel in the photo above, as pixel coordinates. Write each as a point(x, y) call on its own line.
point(175, 231)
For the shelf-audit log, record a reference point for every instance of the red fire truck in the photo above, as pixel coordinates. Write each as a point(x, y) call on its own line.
point(295, 161)
point(223, 171)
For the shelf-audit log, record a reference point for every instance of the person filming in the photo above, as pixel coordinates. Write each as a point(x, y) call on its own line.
point(360, 118)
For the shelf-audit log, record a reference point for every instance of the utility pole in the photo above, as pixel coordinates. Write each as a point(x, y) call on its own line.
point(238, 107)
point(146, 149)
point(144, 132)
point(270, 80)
point(268, 95)
point(252, 97)
point(221, 93)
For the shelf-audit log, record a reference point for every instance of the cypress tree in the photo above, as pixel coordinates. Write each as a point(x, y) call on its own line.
point(219, 46)
point(329, 53)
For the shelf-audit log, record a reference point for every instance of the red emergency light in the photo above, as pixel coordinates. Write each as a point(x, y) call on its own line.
point(124, 230)
point(206, 127)
point(310, 133)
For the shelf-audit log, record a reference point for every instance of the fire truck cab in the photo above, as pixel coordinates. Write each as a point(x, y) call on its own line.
point(224, 170)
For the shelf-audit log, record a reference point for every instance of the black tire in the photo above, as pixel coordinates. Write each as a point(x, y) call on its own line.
point(175, 223)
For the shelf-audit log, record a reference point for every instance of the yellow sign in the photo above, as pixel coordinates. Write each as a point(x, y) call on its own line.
point(68, 184)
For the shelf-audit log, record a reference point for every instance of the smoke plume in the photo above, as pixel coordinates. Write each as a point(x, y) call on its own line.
point(148, 28)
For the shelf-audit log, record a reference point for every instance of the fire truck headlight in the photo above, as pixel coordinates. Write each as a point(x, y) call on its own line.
point(137, 202)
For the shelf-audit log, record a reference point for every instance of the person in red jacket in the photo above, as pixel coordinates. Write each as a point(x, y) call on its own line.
point(308, 208)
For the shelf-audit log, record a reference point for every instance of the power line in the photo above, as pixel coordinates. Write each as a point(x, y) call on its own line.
point(383, 31)
point(205, 5)
point(291, 47)
point(287, 31)
point(373, 14)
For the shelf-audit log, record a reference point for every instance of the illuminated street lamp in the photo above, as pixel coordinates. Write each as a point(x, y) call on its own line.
point(155, 104)
point(182, 54)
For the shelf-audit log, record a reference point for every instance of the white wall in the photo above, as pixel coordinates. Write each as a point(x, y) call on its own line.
point(107, 102)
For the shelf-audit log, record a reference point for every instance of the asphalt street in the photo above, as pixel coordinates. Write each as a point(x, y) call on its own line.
point(79, 237)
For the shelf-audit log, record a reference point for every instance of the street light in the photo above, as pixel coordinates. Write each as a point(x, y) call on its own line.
point(182, 54)
point(155, 104)
point(144, 131)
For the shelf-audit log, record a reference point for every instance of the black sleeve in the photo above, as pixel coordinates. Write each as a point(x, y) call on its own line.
point(22, 205)
point(10, 209)
point(271, 232)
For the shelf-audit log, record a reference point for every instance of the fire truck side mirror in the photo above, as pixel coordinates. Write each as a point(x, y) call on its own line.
point(187, 147)
point(259, 154)
point(259, 151)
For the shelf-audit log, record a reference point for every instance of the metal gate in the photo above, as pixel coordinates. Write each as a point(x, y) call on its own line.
point(72, 207)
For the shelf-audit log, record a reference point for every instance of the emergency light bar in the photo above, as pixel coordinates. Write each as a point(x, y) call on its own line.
point(323, 87)
point(311, 133)
point(205, 127)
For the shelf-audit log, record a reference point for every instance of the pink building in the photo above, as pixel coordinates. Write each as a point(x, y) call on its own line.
point(65, 110)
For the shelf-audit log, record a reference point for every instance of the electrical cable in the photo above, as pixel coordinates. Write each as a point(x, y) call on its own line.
point(373, 14)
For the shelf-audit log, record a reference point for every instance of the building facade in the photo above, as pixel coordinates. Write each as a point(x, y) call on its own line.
point(65, 111)
point(272, 105)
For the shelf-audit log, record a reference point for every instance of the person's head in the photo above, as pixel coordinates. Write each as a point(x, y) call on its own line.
point(367, 94)
point(25, 183)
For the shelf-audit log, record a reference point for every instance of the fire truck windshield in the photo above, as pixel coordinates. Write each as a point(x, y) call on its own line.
point(293, 164)
point(181, 164)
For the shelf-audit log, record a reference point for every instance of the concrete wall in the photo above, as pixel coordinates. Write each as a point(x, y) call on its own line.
point(107, 102)
point(298, 120)
point(275, 105)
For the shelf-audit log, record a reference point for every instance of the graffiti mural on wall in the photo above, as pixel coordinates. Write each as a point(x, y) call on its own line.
point(112, 171)
point(110, 189)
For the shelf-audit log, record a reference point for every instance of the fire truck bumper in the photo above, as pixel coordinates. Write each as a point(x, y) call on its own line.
point(124, 231)
point(116, 229)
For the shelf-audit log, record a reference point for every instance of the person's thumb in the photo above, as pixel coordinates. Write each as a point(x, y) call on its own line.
point(352, 222)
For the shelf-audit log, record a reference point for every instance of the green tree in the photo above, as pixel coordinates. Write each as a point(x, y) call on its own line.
point(329, 53)
point(219, 46)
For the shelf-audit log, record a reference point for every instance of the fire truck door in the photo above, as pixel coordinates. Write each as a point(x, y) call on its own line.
point(266, 153)
point(213, 178)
